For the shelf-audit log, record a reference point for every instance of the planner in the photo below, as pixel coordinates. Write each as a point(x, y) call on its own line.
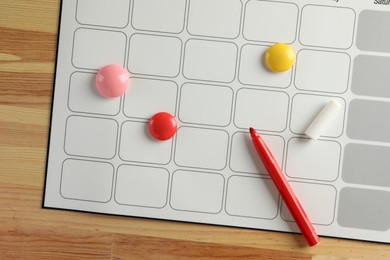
point(203, 62)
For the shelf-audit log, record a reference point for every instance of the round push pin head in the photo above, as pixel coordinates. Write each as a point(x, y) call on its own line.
point(280, 57)
point(162, 126)
point(112, 81)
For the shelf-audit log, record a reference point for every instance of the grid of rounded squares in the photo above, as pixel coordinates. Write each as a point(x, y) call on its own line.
point(365, 164)
point(213, 61)
point(160, 56)
point(189, 190)
point(245, 193)
point(265, 21)
point(94, 137)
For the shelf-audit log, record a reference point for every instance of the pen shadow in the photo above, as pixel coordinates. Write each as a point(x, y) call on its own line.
point(262, 173)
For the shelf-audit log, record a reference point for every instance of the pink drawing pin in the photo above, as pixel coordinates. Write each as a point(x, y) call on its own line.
point(112, 81)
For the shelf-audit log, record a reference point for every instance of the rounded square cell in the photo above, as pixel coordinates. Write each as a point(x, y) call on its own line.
point(205, 18)
point(261, 109)
point(253, 70)
point(319, 202)
point(371, 76)
point(270, 21)
point(154, 55)
point(137, 145)
point(103, 12)
point(210, 60)
point(364, 209)
point(84, 98)
point(142, 186)
point(156, 15)
point(325, 26)
point(244, 158)
point(94, 49)
point(146, 97)
point(252, 197)
point(87, 180)
point(366, 165)
point(369, 39)
point(305, 109)
point(197, 191)
point(369, 120)
point(91, 137)
point(315, 160)
point(205, 104)
point(322, 71)
point(201, 148)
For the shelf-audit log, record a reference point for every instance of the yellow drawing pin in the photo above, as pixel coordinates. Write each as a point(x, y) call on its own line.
point(280, 57)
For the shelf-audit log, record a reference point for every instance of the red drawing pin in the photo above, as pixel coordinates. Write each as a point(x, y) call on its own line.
point(162, 126)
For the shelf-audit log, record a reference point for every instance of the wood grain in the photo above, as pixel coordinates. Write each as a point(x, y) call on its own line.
point(27, 231)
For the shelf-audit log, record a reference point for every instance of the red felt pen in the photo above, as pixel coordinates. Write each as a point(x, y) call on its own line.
point(285, 189)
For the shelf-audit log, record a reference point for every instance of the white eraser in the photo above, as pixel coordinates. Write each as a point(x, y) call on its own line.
point(323, 120)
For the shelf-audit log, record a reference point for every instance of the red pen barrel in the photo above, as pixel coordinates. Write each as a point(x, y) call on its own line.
point(295, 207)
point(285, 189)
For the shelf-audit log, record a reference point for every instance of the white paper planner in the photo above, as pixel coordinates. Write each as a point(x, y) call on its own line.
point(202, 61)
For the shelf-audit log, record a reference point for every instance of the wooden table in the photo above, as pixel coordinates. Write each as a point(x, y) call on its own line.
point(28, 35)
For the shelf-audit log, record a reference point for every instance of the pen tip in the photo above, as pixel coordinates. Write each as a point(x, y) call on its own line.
point(252, 130)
